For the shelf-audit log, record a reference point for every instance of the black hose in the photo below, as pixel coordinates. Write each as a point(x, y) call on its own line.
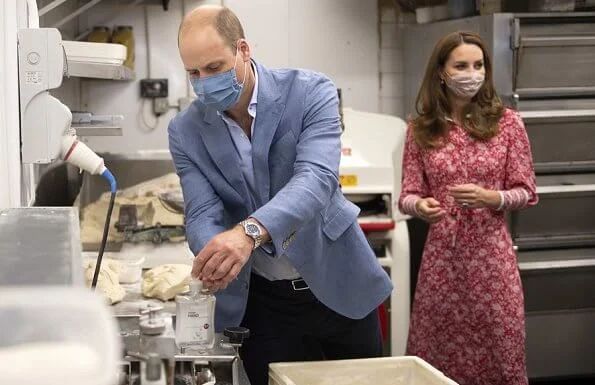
point(104, 239)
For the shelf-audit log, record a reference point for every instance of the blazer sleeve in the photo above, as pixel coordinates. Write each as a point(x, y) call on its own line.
point(316, 168)
point(203, 208)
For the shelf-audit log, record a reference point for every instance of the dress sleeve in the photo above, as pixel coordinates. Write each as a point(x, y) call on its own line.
point(414, 185)
point(519, 180)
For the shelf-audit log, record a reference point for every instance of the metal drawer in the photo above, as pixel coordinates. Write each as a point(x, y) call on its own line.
point(527, 105)
point(554, 56)
point(560, 343)
point(563, 218)
point(559, 290)
point(562, 279)
point(575, 152)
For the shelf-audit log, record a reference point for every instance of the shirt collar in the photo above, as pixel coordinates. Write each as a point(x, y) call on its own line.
point(254, 99)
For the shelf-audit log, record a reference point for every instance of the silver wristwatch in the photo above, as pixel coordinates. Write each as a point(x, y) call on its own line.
point(253, 230)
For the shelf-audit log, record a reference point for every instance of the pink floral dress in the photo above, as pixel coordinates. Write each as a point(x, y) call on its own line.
point(468, 317)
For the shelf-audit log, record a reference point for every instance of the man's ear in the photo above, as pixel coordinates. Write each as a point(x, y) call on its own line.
point(244, 50)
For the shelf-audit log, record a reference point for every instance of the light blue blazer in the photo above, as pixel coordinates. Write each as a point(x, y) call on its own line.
point(296, 153)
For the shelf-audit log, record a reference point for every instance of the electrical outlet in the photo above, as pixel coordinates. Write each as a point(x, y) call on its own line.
point(160, 106)
point(153, 88)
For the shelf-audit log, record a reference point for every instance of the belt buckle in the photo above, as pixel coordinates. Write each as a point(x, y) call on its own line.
point(299, 284)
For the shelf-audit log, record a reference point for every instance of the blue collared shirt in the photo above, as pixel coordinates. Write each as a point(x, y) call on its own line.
point(265, 265)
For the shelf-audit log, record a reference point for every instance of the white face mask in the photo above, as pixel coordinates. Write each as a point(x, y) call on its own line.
point(465, 85)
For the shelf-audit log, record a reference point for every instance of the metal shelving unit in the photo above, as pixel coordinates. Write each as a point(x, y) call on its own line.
point(97, 130)
point(99, 71)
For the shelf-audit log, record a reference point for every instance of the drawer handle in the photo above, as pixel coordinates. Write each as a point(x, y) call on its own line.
point(565, 188)
point(560, 264)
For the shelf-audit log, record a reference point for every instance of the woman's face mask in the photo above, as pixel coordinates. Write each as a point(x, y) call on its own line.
point(464, 71)
point(465, 85)
point(221, 91)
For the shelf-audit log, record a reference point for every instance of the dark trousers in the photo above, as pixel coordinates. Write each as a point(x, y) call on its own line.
point(292, 325)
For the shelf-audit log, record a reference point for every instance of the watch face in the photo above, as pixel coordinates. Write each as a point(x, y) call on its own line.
point(252, 229)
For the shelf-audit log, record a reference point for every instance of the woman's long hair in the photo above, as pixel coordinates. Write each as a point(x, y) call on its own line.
point(481, 115)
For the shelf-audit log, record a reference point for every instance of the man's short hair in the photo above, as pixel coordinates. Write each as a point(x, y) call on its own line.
point(229, 27)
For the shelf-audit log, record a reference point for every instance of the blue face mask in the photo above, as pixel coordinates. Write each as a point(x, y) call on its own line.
point(221, 91)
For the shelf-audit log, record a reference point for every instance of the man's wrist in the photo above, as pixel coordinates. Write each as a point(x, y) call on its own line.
point(249, 240)
point(253, 230)
point(264, 234)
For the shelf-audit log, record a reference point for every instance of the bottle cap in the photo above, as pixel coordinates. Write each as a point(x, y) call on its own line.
point(195, 285)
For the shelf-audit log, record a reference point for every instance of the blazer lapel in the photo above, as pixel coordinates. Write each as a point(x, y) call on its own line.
point(268, 115)
point(222, 150)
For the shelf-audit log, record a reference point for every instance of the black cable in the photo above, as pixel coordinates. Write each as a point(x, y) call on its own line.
point(104, 239)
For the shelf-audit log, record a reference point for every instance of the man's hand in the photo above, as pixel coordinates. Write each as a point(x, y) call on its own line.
point(429, 210)
point(471, 196)
point(221, 260)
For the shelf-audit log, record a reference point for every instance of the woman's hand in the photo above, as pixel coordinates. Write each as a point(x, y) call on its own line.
point(471, 196)
point(429, 210)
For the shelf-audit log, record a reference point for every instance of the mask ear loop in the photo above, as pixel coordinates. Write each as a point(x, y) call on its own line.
point(245, 65)
point(245, 71)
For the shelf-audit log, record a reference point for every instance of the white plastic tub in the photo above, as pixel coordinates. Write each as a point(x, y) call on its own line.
point(57, 335)
point(407, 370)
point(131, 269)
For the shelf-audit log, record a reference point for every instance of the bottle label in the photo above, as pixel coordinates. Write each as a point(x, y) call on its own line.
point(196, 329)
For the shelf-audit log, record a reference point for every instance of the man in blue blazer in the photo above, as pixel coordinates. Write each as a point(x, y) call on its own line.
point(258, 157)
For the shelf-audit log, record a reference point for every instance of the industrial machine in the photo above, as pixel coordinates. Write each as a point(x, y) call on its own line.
point(152, 357)
point(543, 67)
point(40, 249)
point(46, 308)
point(370, 177)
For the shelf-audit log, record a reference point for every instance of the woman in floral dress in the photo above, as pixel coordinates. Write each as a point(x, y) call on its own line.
point(467, 160)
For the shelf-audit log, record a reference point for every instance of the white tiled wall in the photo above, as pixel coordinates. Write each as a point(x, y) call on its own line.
point(391, 60)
